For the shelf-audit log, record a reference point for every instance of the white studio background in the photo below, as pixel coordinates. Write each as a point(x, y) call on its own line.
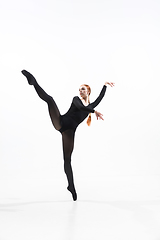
point(64, 44)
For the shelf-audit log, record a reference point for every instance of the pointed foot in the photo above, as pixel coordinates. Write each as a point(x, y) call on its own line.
point(29, 76)
point(73, 192)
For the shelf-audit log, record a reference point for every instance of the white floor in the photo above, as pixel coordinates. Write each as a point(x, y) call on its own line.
point(111, 208)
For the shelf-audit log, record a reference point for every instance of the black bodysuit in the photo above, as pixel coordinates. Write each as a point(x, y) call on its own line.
point(66, 123)
point(78, 112)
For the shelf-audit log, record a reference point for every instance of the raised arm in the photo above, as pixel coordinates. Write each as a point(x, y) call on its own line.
point(99, 98)
point(98, 114)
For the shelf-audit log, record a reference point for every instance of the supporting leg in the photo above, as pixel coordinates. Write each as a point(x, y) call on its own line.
point(68, 144)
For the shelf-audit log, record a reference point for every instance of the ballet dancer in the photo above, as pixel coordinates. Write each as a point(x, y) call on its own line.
point(66, 124)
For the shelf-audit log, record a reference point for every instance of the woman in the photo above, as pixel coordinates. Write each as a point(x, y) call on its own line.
point(66, 124)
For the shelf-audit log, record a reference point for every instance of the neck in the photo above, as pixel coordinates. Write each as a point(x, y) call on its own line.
point(85, 100)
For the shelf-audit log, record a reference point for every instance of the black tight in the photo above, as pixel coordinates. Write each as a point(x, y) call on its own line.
point(68, 145)
point(67, 136)
point(52, 107)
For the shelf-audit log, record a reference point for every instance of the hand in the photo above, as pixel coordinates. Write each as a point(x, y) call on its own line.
point(110, 84)
point(98, 115)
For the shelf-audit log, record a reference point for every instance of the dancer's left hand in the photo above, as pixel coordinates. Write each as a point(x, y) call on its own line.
point(99, 115)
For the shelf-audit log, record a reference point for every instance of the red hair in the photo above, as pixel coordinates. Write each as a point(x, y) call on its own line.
point(89, 92)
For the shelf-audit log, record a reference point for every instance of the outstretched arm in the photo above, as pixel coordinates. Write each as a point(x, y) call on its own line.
point(98, 114)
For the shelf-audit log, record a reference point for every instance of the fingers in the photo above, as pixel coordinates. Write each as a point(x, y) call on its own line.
point(99, 115)
point(110, 84)
point(101, 118)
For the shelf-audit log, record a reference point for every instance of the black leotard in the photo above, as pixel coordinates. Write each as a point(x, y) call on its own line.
point(78, 112)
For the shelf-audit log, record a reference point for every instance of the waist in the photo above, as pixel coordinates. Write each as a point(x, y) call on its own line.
point(68, 123)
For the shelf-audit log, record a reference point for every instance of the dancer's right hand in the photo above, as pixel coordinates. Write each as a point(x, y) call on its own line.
point(110, 84)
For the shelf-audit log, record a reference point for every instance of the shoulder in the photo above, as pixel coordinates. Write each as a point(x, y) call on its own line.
point(76, 98)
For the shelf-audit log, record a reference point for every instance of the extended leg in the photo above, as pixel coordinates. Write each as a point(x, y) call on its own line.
point(68, 144)
point(52, 107)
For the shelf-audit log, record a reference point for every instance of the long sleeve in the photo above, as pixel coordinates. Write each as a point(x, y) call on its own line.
point(78, 103)
point(99, 98)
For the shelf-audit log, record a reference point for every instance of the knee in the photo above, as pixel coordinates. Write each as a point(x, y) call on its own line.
point(67, 160)
point(67, 166)
point(49, 99)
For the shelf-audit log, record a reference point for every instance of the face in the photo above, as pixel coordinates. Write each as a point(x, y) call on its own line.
point(83, 91)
